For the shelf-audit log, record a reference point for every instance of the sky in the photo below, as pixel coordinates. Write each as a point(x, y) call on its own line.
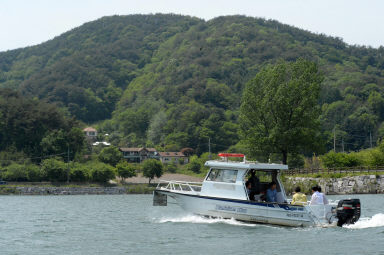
point(30, 22)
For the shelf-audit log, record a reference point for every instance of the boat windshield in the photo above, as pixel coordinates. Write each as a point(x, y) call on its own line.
point(222, 175)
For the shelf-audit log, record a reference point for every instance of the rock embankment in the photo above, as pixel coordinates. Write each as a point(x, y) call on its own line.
point(365, 184)
point(70, 190)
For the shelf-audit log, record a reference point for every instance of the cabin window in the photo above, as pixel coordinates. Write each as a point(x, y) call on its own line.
point(222, 175)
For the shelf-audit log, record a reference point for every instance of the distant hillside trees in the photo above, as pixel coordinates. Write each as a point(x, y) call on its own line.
point(279, 111)
point(176, 81)
point(36, 128)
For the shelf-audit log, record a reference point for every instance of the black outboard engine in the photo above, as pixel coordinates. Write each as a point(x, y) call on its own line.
point(348, 211)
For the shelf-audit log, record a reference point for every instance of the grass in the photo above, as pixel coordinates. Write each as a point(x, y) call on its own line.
point(6, 190)
point(140, 188)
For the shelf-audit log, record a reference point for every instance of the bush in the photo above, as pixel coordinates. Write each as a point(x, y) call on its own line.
point(376, 157)
point(125, 170)
point(194, 165)
point(171, 168)
point(333, 159)
point(35, 173)
point(79, 173)
point(15, 172)
point(102, 173)
point(55, 170)
point(152, 168)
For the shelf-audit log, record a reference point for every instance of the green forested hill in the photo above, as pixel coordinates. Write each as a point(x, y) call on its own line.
point(86, 69)
point(176, 81)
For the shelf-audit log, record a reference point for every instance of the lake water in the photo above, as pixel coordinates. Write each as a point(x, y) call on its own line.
point(129, 224)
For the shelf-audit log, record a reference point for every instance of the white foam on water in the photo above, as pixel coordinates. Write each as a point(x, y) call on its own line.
point(204, 220)
point(377, 220)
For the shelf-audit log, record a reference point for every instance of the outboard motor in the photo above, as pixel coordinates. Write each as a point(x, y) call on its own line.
point(348, 211)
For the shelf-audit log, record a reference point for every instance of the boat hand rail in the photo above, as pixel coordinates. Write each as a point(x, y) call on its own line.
point(180, 186)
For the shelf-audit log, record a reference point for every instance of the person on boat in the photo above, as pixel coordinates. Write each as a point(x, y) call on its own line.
point(325, 200)
point(272, 192)
point(317, 198)
point(251, 194)
point(255, 182)
point(299, 198)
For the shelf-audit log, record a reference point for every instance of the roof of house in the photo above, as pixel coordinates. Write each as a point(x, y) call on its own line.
point(89, 129)
point(103, 143)
point(138, 149)
point(171, 154)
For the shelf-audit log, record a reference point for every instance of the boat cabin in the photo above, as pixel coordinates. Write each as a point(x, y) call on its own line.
point(228, 180)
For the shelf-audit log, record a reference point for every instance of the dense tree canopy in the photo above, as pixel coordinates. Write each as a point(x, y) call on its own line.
point(279, 111)
point(36, 128)
point(175, 81)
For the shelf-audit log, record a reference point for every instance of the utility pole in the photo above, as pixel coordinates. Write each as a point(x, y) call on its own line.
point(334, 139)
point(370, 139)
point(209, 147)
point(342, 143)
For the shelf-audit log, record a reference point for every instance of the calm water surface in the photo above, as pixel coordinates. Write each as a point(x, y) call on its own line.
point(128, 224)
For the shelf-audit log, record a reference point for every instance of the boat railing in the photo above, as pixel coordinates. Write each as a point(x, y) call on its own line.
point(193, 187)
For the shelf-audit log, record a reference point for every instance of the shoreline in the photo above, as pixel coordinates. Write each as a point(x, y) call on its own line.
point(77, 190)
point(366, 184)
point(134, 185)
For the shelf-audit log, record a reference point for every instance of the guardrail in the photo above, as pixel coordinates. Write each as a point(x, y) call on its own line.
point(333, 170)
point(181, 186)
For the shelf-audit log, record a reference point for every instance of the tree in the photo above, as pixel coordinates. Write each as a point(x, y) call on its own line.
point(155, 129)
point(279, 110)
point(152, 168)
point(61, 142)
point(110, 155)
point(125, 170)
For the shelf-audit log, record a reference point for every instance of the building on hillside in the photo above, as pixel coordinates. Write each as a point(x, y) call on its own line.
point(90, 132)
point(173, 157)
point(137, 155)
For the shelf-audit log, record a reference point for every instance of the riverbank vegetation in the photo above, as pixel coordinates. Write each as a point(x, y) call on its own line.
point(94, 169)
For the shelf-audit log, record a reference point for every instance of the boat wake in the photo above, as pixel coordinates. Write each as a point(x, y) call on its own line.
point(377, 220)
point(204, 220)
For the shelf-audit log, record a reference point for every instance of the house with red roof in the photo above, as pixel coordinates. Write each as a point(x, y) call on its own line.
point(173, 157)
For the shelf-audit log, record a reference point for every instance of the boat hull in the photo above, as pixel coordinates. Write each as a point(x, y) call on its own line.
point(257, 212)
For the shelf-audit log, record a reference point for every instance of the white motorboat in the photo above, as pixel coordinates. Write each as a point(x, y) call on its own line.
point(223, 194)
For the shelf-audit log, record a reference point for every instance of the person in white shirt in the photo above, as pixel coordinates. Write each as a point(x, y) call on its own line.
point(325, 200)
point(317, 198)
